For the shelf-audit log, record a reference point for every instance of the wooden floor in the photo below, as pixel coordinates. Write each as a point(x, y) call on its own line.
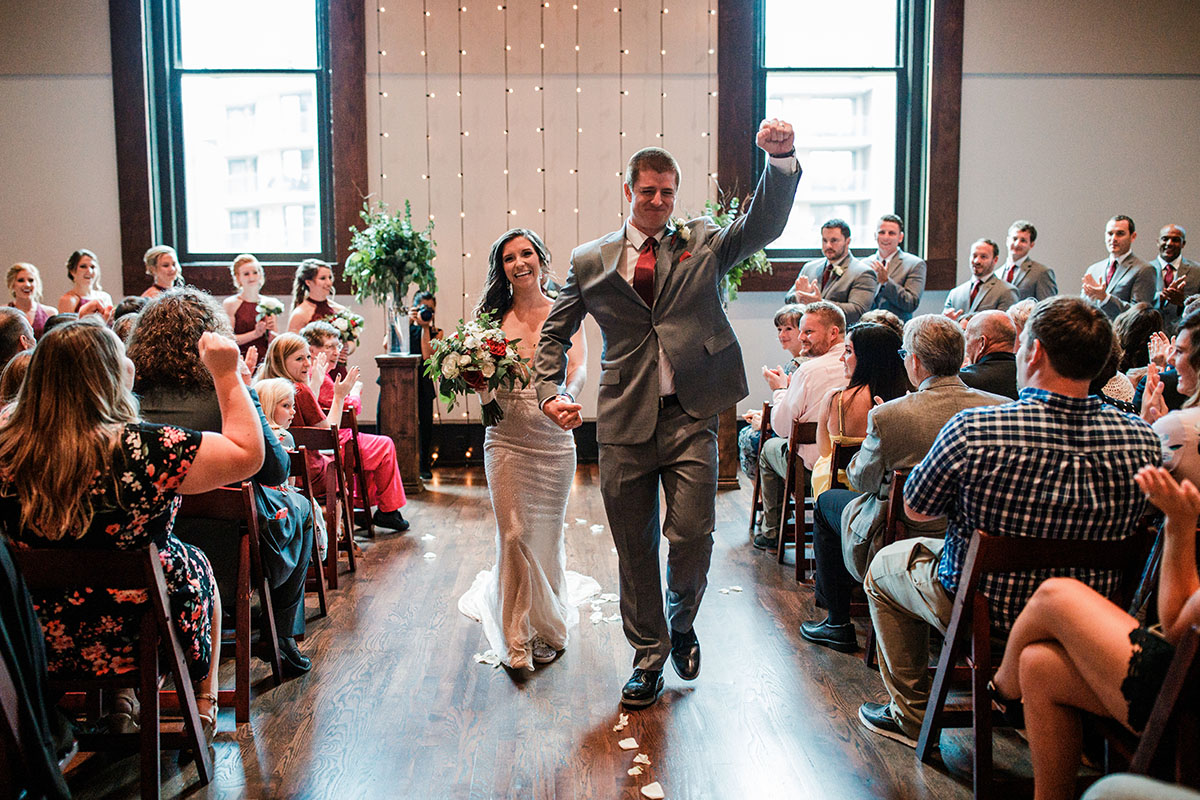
point(396, 707)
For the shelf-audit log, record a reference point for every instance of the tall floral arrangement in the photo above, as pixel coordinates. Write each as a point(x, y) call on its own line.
point(388, 255)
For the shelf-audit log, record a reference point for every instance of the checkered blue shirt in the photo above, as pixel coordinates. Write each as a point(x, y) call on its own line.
point(1047, 465)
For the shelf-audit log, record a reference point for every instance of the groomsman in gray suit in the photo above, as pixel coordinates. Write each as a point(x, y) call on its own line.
point(1178, 278)
point(670, 364)
point(1122, 279)
point(984, 291)
point(901, 275)
point(838, 278)
point(1030, 278)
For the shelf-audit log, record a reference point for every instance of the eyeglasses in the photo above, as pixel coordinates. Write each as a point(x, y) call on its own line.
point(902, 353)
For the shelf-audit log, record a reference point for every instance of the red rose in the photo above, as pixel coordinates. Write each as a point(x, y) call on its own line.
point(474, 378)
point(498, 347)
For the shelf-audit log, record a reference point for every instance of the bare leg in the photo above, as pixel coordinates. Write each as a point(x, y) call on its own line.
point(206, 705)
point(1054, 694)
point(1092, 632)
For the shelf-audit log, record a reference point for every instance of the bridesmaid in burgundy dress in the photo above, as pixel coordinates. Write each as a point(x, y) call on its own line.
point(242, 308)
point(25, 286)
point(312, 300)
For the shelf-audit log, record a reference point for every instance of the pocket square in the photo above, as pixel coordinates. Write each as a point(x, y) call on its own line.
point(686, 254)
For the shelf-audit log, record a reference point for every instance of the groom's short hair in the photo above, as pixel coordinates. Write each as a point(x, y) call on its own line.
point(654, 159)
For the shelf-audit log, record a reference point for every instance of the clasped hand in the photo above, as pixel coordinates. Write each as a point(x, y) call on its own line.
point(565, 413)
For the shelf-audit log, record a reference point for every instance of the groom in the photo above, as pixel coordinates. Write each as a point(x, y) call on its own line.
point(671, 362)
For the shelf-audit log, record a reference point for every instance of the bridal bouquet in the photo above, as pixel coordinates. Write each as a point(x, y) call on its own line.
point(478, 358)
point(267, 307)
point(348, 325)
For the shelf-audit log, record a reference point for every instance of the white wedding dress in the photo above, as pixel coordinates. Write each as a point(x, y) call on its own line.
point(528, 594)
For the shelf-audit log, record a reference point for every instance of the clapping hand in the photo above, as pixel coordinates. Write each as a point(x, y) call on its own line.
point(806, 291)
point(775, 378)
point(753, 419)
point(1093, 289)
point(1160, 349)
point(1175, 499)
point(343, 387)
point(246, 367)
point(953, 313)
point(1174, 293)
point(881, 270)
point(775, 137)
point(1153, 405)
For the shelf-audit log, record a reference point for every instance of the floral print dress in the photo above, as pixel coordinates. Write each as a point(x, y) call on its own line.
point(93, 630)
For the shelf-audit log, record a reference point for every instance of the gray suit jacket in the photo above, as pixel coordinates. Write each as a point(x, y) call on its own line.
point(901, 292)
point(1032, 280)
point(852, 292)
point(687, 317)
point(993, 294)
point(1135, 281)
point(1190, 272)
point(899, 434)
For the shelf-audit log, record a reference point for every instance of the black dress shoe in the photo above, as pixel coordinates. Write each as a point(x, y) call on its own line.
point(294, 662)
point(685, 654)
point(642, 688)
point(765, 542)
point(838, 637)
point(390, 519)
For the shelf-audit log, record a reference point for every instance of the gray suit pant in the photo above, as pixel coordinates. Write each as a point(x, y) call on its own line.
point(682, 454)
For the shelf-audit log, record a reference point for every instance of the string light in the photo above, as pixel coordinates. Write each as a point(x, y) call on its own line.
point(578, 129)
point(507, 91)
point(662, 75)
point(710, 144)
point(379, 54)
point(622, 52)
point(542, 102)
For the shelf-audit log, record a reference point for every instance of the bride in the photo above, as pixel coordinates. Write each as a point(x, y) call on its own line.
point(528, 600)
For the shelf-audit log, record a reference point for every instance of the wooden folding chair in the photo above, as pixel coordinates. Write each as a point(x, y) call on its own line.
point(335, 497)
point(797, 503)
point(1175, 716)
point(756, 505)
point(893, 530)
point(839, 462)
point(360, 497)
point(969, 631)
point(57, 569)
point(237, 506)
point(298, 472)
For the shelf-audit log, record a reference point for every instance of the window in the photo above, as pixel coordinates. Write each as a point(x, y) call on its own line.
point(846, 75)
point(242, 134)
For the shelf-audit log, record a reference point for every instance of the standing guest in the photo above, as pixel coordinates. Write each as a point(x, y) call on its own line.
point(25, 286)
point(422, 332)
point(249, 329)
point(901, 275)
point(174, 388)
point(16, 334)
point(85, 295)
point(992, 364)
point(787, 322)
point(1056, 464)
point(162, 265)
point(312, 300)
point(983, 291)
point(1031, 279)
point(848, 525)
point(838, 277)
point(1177, 278)
point(1122, 279)
point(288, 356)
point(81, 470)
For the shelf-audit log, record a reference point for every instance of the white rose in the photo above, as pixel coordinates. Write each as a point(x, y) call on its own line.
point(450, 368)
point(340, 324)
point(464, 360)
point(471, 342)
point(488, 369)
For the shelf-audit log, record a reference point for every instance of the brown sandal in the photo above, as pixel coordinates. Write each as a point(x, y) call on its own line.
point(208, 722)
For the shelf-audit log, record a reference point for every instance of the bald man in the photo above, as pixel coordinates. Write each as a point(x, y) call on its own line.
point(991, 339)
point(1178, 278)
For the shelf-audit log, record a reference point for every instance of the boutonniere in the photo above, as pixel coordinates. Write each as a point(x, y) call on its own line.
point(681, 231)
point(839, 270)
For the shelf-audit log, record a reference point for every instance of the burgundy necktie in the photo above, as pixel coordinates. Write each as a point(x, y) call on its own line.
point(1112, 270)
point(974, 291)
point(825, 275)
point(643, 272)
point(1012, 271)
point(1168, 275)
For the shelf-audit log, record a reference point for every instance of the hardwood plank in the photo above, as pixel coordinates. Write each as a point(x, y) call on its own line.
point(396, 707)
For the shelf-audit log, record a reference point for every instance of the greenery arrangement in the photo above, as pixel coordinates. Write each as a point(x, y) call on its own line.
point(388, 255)
point(723, 212)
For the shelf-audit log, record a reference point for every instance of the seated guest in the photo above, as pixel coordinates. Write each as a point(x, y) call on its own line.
point(61, 318)
point(899, 434)
point(1135, 328)
point(1056, 464)
point(288, 357)
point(130, 305)
point(838, 278)
point(787, 323)
point(874, 370)
point(174, 388)
point(16, 334)
point(162, 265)
point(13, 375)
point(1073, 652)
point(991, 340)
point(1111, 385)
point(85, 295)
point(25, 286)
point(1178, 429)
point(1115, 283)
point(821, 332)
point(325, 345)
point(1019, 313)
point(81, 470)
point(901, 275)
point(984, 290)
point(1177, 278)
point(1031, 280)
point(881, 316)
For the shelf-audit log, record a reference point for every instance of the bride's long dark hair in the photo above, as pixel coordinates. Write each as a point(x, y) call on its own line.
point(497, 291)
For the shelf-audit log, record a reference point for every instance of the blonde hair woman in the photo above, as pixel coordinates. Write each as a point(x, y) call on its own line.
point(85, 296)
point(25, 285)
point(242, 308)
point(79, 468)
point(162, 265)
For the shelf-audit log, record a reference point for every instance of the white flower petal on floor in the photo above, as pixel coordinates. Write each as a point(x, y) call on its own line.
point(429, 537)
point(597, 617)
point(642, 758)
point(613, 618)
point(609, 597)
point(635, 771)
point(735, 588)
point(723, 591)
point(491, 658)
point(430, 556)
point(597, 529)
point(654, 791)
point(621, 723)
point(580, 521)
point(628, 744)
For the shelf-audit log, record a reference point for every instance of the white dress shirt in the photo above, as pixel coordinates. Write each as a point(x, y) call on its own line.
point(802, 400)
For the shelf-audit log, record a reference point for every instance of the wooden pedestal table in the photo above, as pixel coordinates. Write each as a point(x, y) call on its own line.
point(398, 413)
point(727, 449)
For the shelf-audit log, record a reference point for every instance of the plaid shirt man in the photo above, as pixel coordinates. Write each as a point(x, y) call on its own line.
point(1048, 465)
